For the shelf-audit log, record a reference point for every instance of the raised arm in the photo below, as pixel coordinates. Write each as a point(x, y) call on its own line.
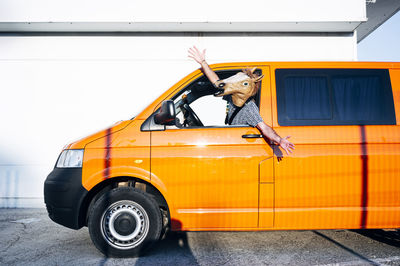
point(199, 57)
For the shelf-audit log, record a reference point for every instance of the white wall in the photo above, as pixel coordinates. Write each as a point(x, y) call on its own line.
point(180, 15)
point(57, 89)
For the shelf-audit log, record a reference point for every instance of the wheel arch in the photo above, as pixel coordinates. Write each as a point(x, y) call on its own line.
point(120, 181)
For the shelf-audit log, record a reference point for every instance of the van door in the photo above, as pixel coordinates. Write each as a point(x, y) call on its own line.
point(211, 173)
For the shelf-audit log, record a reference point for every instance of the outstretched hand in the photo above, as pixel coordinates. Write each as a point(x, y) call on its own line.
point(286, 145)
point(196, 55)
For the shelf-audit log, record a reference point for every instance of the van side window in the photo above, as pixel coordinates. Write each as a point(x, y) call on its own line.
point(334, 97)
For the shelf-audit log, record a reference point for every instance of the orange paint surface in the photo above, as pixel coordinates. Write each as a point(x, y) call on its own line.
point(213, 179)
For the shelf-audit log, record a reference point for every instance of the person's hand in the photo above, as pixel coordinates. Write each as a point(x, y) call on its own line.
point(196, 55)
point(286, 145)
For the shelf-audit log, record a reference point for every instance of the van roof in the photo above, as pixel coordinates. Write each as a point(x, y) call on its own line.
point(313, 64)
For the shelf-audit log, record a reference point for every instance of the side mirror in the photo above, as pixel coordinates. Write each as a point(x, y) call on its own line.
point(166, 115)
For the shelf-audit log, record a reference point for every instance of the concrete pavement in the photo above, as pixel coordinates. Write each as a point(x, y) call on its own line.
point(29, 237)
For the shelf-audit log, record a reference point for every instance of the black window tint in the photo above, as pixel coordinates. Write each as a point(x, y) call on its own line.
point(307, 98)
point(334, 97)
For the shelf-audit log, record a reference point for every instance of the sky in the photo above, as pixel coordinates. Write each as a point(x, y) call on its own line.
point(383, 44)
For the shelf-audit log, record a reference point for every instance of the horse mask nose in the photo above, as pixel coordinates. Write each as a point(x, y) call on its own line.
point(220, 89)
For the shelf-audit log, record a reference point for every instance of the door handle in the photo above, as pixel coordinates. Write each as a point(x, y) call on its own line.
point(252, 136)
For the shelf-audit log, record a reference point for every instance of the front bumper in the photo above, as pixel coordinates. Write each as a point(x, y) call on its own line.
point(63, 195)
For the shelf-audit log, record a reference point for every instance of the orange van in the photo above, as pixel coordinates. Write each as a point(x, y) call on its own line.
point(189, 171)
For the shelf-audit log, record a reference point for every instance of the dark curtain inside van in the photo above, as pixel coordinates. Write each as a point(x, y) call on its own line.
point(354, 98)
point(307, 98)
point(357, 98)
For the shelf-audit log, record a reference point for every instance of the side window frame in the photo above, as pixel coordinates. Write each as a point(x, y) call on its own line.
point(150, 125)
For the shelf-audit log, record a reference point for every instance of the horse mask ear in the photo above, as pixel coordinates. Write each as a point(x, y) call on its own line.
point(250, 72)
point(259, 78)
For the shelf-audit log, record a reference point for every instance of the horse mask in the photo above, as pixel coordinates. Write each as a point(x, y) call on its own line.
point(241, 86)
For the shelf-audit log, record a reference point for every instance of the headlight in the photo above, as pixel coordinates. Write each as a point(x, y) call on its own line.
point(70, 158)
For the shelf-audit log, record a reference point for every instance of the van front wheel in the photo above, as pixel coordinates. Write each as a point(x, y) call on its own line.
point(124, 222)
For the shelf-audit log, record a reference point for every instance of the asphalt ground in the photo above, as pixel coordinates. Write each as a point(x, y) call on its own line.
point(29, 237)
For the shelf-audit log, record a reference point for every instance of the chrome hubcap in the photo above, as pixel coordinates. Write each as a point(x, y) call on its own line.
point(124, 224)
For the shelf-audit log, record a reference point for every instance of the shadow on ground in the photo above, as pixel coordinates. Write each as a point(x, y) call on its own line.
point(389, 237)
point(173, 249)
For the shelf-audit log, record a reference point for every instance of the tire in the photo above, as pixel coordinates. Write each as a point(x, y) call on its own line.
point(124, 222)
